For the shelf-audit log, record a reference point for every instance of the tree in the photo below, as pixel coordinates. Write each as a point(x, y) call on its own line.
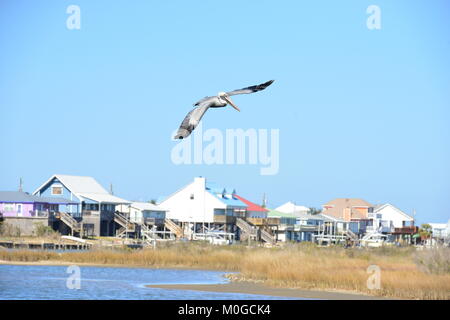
point(153, 201)
point(425, 231)
point(313, 210)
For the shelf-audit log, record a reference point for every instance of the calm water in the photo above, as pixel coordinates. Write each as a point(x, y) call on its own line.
point(49, 282)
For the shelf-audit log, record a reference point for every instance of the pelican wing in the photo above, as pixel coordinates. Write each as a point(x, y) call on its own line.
point(251, 89)
point(191, 120)
point(204, 100)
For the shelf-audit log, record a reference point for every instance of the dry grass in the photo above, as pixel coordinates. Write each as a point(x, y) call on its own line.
point(295, 266)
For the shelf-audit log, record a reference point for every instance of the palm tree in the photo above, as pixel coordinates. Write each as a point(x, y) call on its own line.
point(425, 231)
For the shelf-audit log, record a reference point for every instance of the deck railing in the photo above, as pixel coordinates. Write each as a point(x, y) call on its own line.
point(406, 230)
point(221, 218)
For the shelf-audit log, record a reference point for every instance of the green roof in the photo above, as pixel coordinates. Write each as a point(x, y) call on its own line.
point(275, 214)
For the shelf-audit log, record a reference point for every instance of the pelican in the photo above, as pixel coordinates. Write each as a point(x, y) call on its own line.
point(222, 99)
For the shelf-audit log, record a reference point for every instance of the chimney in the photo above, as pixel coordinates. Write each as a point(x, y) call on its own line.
point(200, 181)
point(347, 214)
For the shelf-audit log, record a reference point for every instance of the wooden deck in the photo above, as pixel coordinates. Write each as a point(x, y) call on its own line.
point(44, 245)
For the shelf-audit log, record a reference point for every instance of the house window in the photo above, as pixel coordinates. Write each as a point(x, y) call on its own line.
point(8, 207)
point(192, 196)
point(220, 212)
point(57, 190)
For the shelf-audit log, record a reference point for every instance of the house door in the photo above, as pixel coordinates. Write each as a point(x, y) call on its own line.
point(19, 210)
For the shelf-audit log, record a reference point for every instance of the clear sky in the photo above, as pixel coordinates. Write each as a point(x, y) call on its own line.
point(361, 113)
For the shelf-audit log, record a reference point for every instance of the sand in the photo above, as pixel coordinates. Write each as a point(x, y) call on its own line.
point(259, 289)
point(231, 287)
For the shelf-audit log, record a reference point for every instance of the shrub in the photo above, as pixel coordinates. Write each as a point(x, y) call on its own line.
point(9, 230)
point(434, 261)
point(42, 230)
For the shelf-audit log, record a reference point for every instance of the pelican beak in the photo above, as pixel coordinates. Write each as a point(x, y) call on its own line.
point(230, 102)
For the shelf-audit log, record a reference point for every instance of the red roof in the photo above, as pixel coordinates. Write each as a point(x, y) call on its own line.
point(250, 205)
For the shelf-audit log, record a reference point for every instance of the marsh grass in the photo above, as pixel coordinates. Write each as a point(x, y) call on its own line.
point(405, 273)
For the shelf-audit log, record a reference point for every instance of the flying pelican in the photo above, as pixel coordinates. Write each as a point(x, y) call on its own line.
point(192, 119)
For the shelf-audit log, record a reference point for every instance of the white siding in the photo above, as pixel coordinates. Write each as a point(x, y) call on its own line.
point(199, 209)
point(391, 213)
point(290, 207)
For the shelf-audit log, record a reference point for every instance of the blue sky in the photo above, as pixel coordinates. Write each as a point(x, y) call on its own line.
point(362, 113)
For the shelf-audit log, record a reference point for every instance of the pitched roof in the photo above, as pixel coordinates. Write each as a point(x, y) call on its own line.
point(290, 207)
point(24, 197)
point(251, 206)
point(279, 214)
point(347, 202)
point(86, 187)
point(328, 218)
point(229, 199)
point(221, 193)
point(380, 207)
point(103, 197)
point(213, 189)
point(16, 196)
point(146, 206)
point(336, 207)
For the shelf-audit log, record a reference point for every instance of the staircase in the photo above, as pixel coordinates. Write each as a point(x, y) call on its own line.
point(370, 235)
point(351, 235)
point(247, 230)
point(148, 236)
point(173, 227)
point(69, 221)
point(267, 236)
point(126, 225)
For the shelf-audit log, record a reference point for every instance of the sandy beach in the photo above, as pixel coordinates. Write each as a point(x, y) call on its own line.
point(259, 289)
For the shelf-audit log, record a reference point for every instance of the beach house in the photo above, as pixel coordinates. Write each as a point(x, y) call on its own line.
point(292, 208)
point(256, 219)
point(298, 226)
point(200, 207)
point(96, 206)
point(386, 218)
point(352, 210)
point(24, 212)
point(143, 212)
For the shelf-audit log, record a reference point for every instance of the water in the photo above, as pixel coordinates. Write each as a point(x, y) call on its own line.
point(49, 283)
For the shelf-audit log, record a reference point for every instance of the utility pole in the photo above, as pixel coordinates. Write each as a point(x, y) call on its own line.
point(264, 201)
point(20, 185)
point(111, 191)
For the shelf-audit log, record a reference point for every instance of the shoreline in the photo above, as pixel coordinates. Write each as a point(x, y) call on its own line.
point(51, 263)
point(260, 289)
point(244, 287)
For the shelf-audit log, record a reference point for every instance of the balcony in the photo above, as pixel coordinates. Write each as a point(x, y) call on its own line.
point(264, 221)
point(273, 221)
point(257, 221)
point(30, 214)
point(40, 213)
point(90, 213)
point(221, 218)
point(306, 228)
point(406, 230)
point(153, 221)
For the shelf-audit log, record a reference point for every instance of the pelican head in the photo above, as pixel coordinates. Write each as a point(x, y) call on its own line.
point(226, 97)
